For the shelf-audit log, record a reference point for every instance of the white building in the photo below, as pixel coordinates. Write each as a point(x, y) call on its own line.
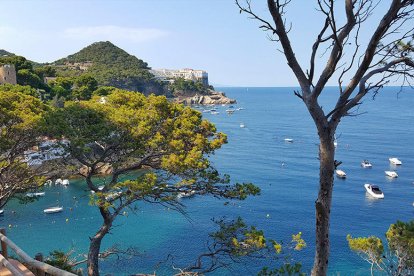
point(47, 150)
point(187, 74)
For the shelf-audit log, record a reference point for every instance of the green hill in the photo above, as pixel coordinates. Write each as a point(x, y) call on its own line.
point(110, 66)
point(5, 53)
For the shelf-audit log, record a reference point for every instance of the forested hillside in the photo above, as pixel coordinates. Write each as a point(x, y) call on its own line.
point(110, 66)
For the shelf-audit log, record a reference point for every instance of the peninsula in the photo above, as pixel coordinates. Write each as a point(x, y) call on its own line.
point(102, 67)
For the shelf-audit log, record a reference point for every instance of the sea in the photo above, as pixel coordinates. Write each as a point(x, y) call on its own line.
point(164, 240)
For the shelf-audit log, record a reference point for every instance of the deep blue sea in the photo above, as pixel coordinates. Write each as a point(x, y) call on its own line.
point(287, 173)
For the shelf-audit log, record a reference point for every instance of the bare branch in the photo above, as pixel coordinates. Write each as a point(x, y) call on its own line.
point(276, 10)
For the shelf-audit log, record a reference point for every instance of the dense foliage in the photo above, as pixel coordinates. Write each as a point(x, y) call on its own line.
point(104, 53)
point(26, 89)
point(60, 260)
point(182, 85)
point(397, 258)
point(128, 131)
point(20, 115)
point(25, 73)
point(5, 53)
point(105, 64)
point(110, 66)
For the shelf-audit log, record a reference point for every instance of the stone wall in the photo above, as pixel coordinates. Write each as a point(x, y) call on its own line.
point(8, 74)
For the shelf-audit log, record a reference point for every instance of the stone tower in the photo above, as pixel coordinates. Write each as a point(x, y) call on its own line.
point(8, 74)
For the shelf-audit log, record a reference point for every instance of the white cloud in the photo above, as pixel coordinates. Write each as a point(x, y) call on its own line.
point(114, 33)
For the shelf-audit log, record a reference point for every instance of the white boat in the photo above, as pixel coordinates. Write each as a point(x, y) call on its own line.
point(395, 161)
point(184, 194)
point(374, 191)
point(65, 182)
point(1, 212)
point(340, 173)
point(230, 111)
point(366, 164)
point(58, 181)
point(289, 140)
point(242, 125)
point(35, 194)
point(391, 174)
point(48, 182)
point(52, 210)
point(214, 112)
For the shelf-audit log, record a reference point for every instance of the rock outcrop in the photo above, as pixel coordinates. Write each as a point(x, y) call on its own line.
point(213, 97)
point(103, 168)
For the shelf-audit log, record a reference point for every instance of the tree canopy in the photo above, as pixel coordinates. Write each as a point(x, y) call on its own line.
point(110, 66)
point(20, 116)
point(395, 259)
point(182, 85)
point(170, 143)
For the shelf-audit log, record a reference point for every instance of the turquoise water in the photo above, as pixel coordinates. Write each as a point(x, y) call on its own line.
point(286, 172)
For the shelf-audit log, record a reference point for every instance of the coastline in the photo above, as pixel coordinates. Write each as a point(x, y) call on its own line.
point(211, 98)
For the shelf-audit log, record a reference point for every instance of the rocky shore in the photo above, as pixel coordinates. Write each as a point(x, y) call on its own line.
point(212, 97)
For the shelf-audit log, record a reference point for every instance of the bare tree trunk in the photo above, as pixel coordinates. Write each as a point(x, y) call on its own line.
point(95, 246)
point(323, 203)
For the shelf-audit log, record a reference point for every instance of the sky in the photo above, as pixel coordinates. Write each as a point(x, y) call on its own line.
point(210, 35)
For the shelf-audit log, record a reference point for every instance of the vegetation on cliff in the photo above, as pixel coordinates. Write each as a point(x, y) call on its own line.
point(110, 66)
point(181, 86)
point(5, 53)
point(105, 65)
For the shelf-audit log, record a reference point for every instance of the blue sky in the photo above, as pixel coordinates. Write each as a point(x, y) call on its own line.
point(199, 34)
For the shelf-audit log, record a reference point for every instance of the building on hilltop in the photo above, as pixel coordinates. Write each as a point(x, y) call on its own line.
point(8, 74)
point(187, 74)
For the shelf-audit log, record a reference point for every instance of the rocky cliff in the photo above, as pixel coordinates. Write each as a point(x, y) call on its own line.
point(212, 97)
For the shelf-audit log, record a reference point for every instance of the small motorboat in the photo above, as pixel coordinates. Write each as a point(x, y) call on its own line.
point(230, 111)
point(391, 174)
point(289, 140)
point(366, 164)
point(100, 188)
point(374, 191)
point(1, 212)
point(52, 210)
point(395, 161)
point(185, 194)
point(65, 182)
point(214, 112)
point(242, 125)
point(340, 173)
point(35, 194)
